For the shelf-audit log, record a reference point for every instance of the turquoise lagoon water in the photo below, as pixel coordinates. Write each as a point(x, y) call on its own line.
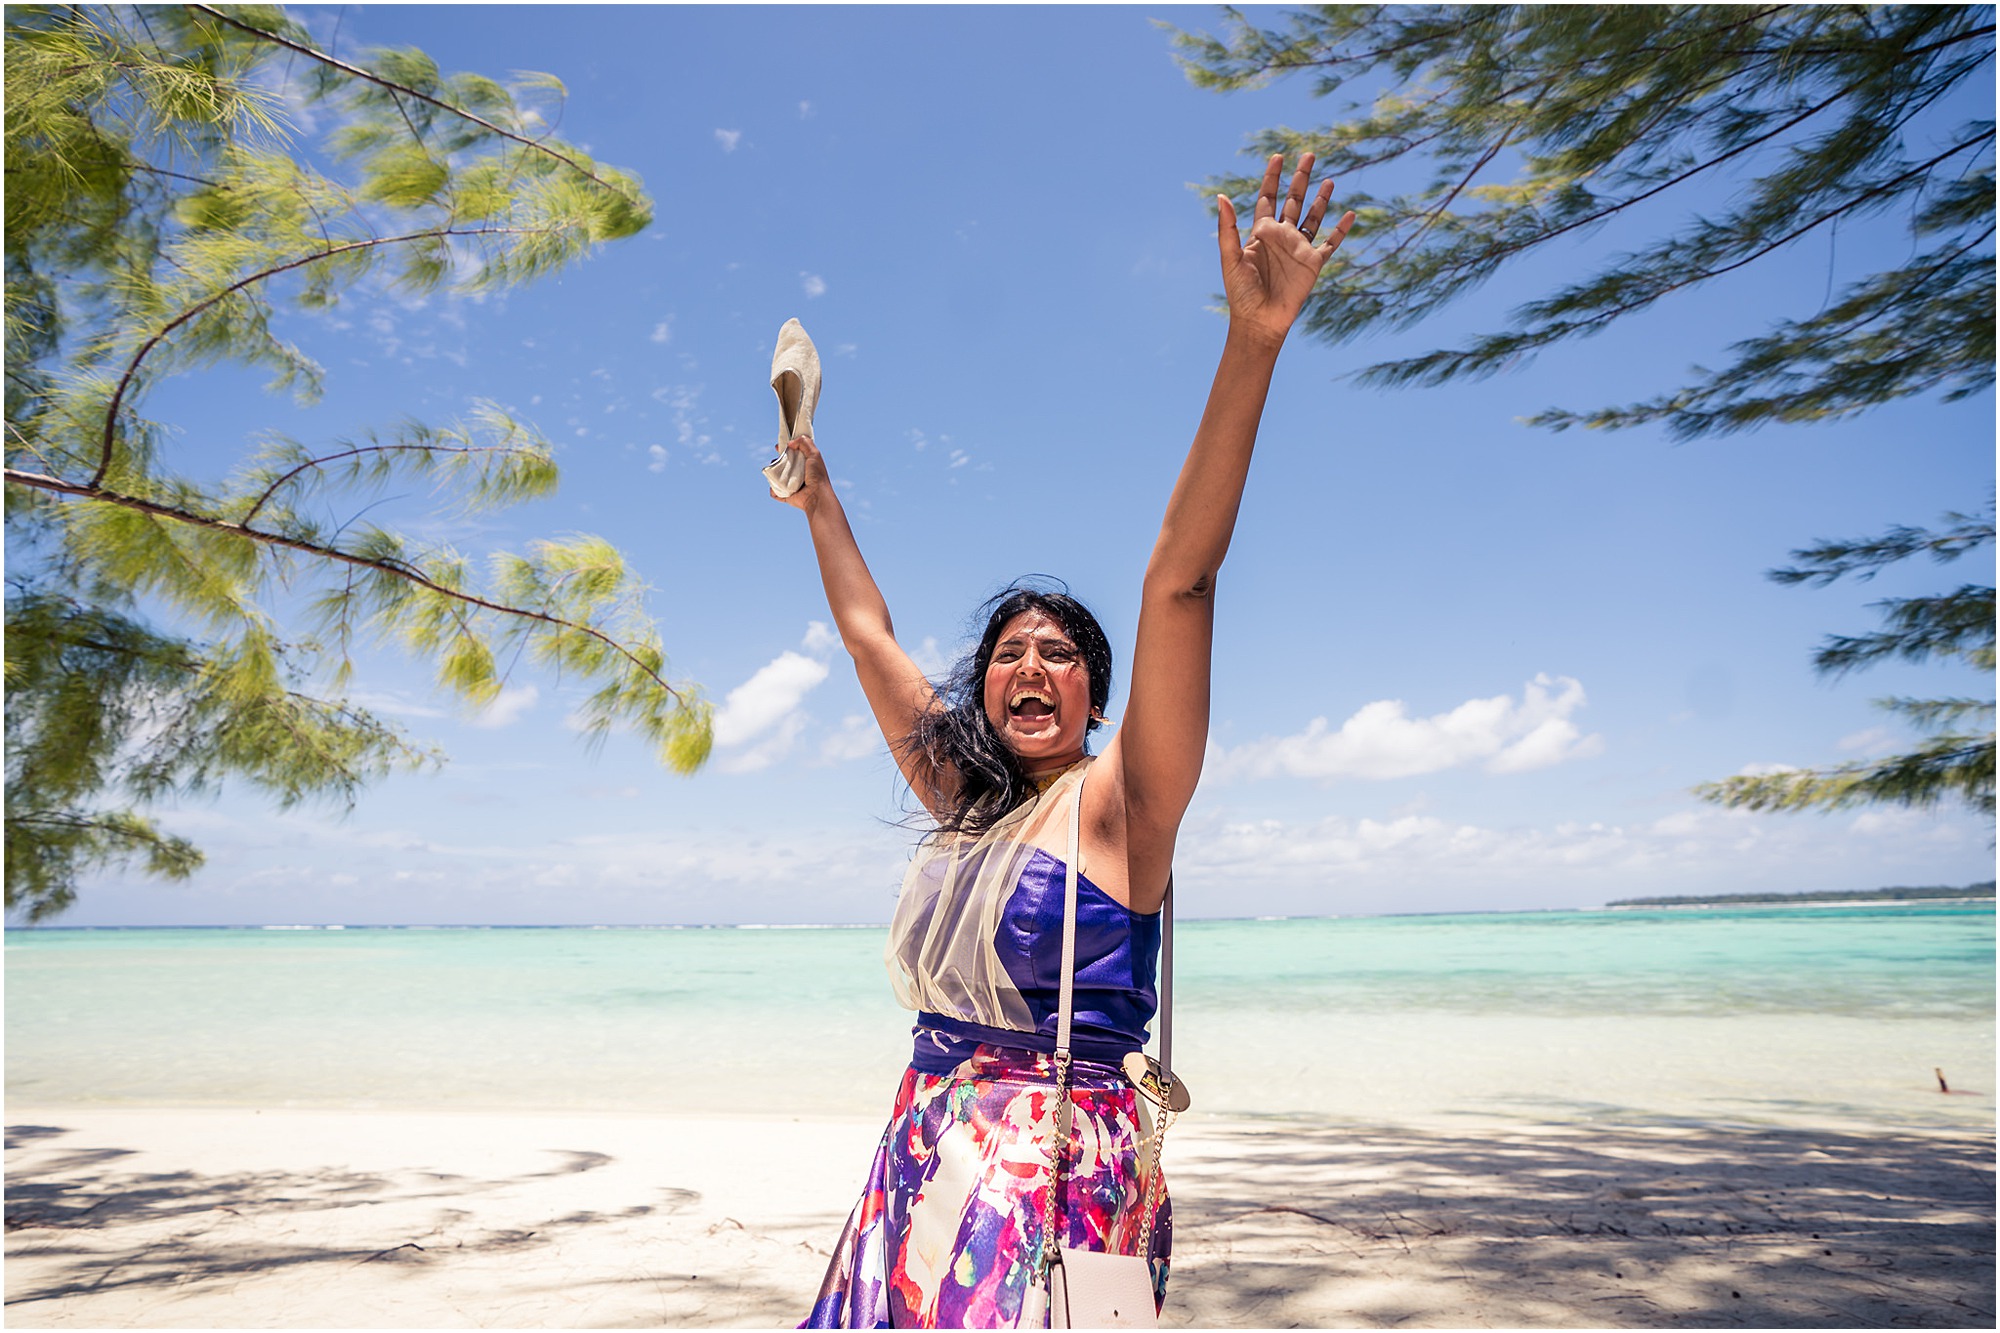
point(1808, 1016)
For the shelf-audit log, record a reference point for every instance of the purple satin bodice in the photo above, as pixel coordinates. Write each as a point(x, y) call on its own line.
point(1117, 961)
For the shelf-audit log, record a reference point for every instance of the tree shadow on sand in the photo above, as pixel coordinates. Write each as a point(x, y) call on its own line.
point(1624, 1226)
point(1277, 1224)
point(88, 1225)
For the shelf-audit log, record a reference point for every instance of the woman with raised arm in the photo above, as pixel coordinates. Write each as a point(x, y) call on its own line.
point(950, 1231)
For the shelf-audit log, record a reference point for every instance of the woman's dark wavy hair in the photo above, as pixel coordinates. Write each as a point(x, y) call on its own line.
point(960, 738)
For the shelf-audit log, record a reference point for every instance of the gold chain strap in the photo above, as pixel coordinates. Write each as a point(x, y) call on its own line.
point(1058, 1150)
point(1155, 1182)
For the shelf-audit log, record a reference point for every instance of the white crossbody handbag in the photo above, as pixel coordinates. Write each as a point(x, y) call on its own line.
point(1087, 1288)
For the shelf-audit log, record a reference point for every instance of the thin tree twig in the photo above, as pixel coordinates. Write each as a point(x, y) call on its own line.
point(321, 461)
point(371, 77)
point(1489, 257)
point(1832, 213)
point(93, 491)
point(108, 445)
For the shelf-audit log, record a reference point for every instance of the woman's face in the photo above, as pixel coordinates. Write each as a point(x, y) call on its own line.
point(1037, 691)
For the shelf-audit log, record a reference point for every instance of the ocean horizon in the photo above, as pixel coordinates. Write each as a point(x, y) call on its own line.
point(1826, 1013)
point(1731, 904)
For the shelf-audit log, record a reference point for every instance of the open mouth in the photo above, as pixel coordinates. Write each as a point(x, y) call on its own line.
point(1031, 705)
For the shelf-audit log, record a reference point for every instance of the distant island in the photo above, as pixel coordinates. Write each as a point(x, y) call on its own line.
point(1899, 894)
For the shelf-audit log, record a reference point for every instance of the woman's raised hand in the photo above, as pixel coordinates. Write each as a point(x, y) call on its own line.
point(816, 480)
point(1267, 281)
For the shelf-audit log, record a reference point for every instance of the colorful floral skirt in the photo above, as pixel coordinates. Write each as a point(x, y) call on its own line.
point(949, 1228)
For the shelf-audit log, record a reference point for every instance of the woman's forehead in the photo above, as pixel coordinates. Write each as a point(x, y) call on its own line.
point(1036, 624)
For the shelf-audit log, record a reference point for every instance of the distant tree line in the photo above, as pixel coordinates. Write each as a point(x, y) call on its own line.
point(1899, 894)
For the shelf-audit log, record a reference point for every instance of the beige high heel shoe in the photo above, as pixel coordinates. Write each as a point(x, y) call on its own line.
point(795, 379)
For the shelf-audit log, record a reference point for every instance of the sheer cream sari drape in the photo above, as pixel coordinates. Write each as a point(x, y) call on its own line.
point(942, 952)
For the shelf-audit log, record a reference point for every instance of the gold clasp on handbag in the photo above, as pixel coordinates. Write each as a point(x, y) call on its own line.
point(1143, 1072)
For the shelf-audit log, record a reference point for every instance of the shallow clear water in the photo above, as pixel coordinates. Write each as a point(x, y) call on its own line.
point(1795, 1015)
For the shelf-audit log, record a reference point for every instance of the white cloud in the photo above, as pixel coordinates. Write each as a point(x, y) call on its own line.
point(1873, 741)
point(728, 139)
point(767, 698)
point(929, 657)
point(1381, 740)
point(805, 110)
point(858, 738)
point(395, 705)
point(658, 454)
point(1334, 863)
point(507, 706)
point(769, 750)
point(693, 866)
point(684, 400)
point(813, 283)
point(760, 720)
point(820, 638)
point(663, 332)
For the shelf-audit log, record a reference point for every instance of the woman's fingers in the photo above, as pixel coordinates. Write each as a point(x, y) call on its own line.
point(1338, 233)
point(1267, 193)
point(1309, 224)
point(815, 470)
point(1293, 212)
point(1295, 197)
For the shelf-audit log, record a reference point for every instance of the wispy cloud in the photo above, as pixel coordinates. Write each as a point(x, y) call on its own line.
point(508, 706)
point(1326, 865)
point(729, 139)
point(663, 332)
point(929, 657)
point(761, 719)
point(1381, 740)
point(394, 705)
point(1226, 861)
point(763, 701)
point(1873, 741)
point(774, 745)
point(813, 284)
point(684, 401)
point(857, 738)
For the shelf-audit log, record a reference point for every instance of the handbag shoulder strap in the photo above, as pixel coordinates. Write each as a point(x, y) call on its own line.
point(1065, 1108)
point(1069, 919)
point(1066, 1011)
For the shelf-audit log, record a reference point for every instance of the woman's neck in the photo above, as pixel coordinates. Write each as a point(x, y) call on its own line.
point(1044, 774)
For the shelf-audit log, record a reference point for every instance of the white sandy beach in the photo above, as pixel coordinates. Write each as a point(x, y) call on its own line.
point(280, 1219)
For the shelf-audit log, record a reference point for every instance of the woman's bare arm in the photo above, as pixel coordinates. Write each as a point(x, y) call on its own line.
point(896, 688)
point(1155, 760)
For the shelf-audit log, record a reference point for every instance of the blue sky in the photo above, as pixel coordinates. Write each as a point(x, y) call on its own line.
point(1461, 663)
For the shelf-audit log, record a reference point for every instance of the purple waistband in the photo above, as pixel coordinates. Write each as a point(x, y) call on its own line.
point(943, 1043)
